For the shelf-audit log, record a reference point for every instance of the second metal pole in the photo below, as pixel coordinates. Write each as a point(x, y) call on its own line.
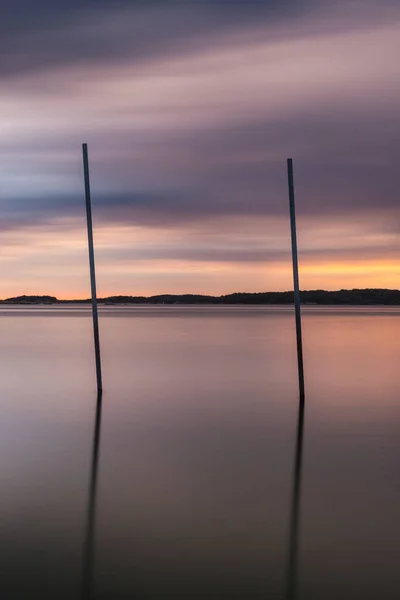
point(296, 278)
point(92, 267)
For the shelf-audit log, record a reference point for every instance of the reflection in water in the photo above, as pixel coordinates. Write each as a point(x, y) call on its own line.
point(88, 550)
point(291, 590)
point(212, 510)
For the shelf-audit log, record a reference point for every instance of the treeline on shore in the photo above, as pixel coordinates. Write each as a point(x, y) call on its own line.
point(321, 297)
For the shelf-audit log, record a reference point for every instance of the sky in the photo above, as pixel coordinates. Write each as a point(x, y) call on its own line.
point(190, 109)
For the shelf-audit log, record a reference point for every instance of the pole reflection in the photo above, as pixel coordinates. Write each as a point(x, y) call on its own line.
point(89, 541)
point(292, 567)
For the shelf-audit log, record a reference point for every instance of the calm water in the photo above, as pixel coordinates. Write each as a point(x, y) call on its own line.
point(199, 478)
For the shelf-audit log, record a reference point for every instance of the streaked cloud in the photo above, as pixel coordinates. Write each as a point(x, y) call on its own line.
point(190, 112)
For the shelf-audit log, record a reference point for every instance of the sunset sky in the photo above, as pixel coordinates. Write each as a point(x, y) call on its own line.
point(190, 109)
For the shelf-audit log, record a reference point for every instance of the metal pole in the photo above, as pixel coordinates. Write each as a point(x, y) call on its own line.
point(296, 278)
point(92, 267)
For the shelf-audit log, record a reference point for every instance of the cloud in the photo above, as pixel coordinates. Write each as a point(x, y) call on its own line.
point(343, 167)
point(97, 31)
point(54, 34)
point(190, 113)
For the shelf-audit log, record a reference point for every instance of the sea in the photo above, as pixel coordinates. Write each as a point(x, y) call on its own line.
point(198, 474)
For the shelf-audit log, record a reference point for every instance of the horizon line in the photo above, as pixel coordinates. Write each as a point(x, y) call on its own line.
point(50, 298)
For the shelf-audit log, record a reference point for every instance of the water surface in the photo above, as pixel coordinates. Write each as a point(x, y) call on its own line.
point(198, 479)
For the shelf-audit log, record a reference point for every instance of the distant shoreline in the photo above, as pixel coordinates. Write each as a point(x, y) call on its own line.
point(355, 297)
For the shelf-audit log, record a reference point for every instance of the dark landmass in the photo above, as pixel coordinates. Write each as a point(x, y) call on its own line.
point(31, 300)
point(321, 297)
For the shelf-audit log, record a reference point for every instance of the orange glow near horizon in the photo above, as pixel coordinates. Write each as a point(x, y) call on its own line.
point(147, 278)
point(144, 261)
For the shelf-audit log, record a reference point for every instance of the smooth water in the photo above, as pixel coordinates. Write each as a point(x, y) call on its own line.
point(198, 477)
